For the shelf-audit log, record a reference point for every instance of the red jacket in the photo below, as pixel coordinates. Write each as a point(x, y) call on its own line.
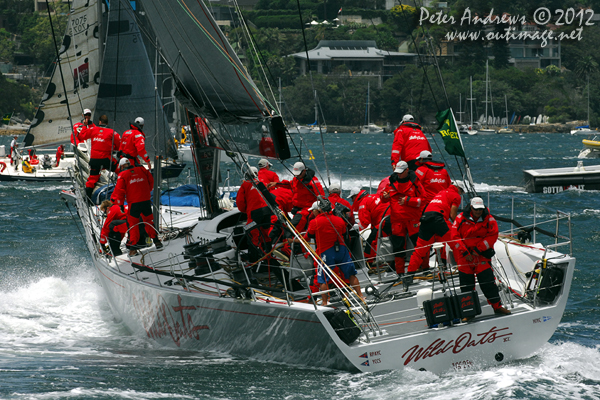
point(134, 185)
point(249, 199)
point(413, 205)
point(358, 201)
point(114, 214)
point(409, 142)
point(77, 127)
point(305, 192)
point(267, 176)
point(468, 234)
point(444, 200)
point(335, 198)
point(327, 229)
point(372, 212)
point(283, 197)
point(133, 143)
point(434, 178)
point(104, 140)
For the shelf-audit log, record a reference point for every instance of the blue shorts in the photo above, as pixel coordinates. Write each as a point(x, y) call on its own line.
point(340, 259)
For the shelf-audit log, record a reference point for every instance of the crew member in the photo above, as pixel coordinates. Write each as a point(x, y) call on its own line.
point(46, 162)
point(104, 142)
point(14, 152)
point(26, 166)
point(250, 201)
point(405, 193)
point(432, 175)
point(474, 233)
point(409, 142)
point(305, 187)
point(60, 151)
point(265, 174)
point(328, 231)
point(370, 214)
point(134, 185)
point(335, 192)
point(435, 224)
point(133, 143)
point(357, 196)
point(114, 227)
point(78, 126)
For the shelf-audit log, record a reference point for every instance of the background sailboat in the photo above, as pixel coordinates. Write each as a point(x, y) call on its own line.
point(369, 127)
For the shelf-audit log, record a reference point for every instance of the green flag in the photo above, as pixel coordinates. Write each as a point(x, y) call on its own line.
point(6, 118)
point(447, 129)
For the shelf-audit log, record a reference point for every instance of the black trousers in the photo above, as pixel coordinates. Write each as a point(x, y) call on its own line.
point(486, 283)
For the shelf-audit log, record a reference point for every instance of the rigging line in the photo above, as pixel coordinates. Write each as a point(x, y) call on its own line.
point(312, 84)
point(428, 41)
point(59, 65)
point(117, 63)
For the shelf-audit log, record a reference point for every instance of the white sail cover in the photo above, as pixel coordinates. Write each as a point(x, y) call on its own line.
point(80, 64)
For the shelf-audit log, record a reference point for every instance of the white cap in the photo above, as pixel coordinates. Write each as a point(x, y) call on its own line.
point(355, 190)
point(401, 167)
point(315, 206)
point(477, 203)
point(335, 187)
point(425, 154)
point(87, 111)
point(460, 184)
point(408, 118)
point(263, 163)
point(298, 168)
point(123, 161)
point(139, 121)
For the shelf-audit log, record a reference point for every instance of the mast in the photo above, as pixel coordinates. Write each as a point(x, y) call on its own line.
point(471, 99)
point(506, 108)
point(486, 93)
point(588, 90)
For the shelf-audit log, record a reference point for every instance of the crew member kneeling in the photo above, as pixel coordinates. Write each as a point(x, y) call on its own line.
point(114, 227)
point(329, 231)
point(134, 185)
point(474, 233)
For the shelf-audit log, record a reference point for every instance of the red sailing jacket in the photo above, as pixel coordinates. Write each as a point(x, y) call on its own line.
point(305, 192)
point(358, 201)
point(412, 207)
point(133, 143)
point(373, 212)
point(104, 140)
point(468, 234)
point(335, 198)
point(75, 139)
point(134, 185)
point(434, 178)
point(283, 197)
point(114, 214)
point(443, 202)
point(249, 199)
point(327, 229)
point(267, 176)
point(409, 142)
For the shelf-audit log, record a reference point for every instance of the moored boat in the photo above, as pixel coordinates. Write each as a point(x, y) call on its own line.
point(556, 180)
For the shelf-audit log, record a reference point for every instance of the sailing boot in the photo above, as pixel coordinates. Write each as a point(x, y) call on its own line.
point(88, 194)
point(407, 280)
point(157, 243)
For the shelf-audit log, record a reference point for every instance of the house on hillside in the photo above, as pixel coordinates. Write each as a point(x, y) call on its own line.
point(360, 57)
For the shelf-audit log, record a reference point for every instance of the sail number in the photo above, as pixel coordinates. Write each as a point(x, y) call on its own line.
point(79, 24)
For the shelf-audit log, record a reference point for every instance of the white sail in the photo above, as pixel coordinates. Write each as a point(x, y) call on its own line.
point(80, 65)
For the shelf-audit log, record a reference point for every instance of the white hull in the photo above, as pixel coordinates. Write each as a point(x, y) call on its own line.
point(371, 129)
point(205, 316)
point(56, 174)
point(486, 132)
point(583, 131)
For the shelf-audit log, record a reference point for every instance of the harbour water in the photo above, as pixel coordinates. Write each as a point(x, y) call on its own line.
point(59, 339)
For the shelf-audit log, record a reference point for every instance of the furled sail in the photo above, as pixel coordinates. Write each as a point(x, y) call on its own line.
point(79, 59)
point(127, 85)
point(211, 81)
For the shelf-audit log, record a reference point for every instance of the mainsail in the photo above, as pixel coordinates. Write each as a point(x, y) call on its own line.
point(127, 86)
point(211, 81)
point(79, 59)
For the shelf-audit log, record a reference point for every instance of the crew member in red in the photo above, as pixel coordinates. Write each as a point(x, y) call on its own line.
point(305, 187)
point(474, 233)
point(265, 174)
point(114, 227)
point(104, 142)
point(328, 231)
point(250, 201)
point(432, 175)
point(435, 224)
point(370, 214)
point(134, 185)
point(133, 143)
point(409, 142)
point(405, 193)
point(335, 190)
point(60, 151)
point(357, 196)
point(78, 126)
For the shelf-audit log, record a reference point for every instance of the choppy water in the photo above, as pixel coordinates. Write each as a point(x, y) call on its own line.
point(58, 339)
